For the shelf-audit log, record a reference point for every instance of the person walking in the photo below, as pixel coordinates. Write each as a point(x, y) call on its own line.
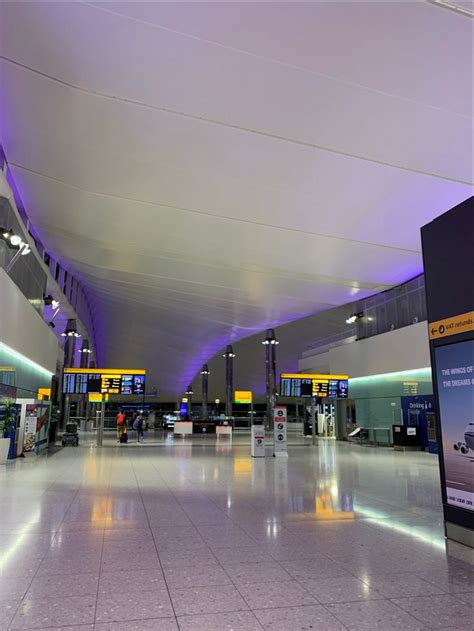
point(121, 425)
point(138, 427)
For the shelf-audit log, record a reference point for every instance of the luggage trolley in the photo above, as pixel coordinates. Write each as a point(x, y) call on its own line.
point(70, 436)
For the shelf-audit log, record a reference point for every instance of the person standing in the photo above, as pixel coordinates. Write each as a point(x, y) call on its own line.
point(121, 425)
point(138, 427)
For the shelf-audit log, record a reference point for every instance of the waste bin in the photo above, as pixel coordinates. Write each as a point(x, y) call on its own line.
point(406, 437)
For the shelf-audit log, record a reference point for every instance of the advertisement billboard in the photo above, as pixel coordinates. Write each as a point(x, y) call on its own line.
point(455, 382)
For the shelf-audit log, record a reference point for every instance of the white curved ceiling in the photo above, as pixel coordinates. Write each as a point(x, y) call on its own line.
point(209, 170)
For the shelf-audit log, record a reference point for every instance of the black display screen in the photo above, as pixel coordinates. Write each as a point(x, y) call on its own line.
point(317, 386)
point(105, 383)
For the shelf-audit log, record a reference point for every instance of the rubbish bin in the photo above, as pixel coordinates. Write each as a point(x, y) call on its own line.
point(406, 437)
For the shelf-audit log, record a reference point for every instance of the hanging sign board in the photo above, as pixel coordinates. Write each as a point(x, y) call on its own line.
point(243, 396)
point(120, 381)
point(95, 397)
point(307, 385)
point(451, 326)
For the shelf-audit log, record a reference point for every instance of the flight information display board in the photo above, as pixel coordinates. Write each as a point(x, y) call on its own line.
point(103, 381)
point(304, 386)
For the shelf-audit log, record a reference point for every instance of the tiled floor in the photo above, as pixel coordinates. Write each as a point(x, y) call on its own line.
point(201, 537)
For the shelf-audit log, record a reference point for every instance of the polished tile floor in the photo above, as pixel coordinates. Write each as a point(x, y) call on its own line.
point(198, 537)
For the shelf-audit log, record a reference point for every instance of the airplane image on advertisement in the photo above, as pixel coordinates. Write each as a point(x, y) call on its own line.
point(468, 444)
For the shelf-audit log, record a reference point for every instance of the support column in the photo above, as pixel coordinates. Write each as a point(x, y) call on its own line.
point(85, 352)
point(89, 408)
point(314, 420)
point(205, 388)
point(229, 379)
point(270, 343)
point(189, 394)
point(100, 424)
point(70, 333)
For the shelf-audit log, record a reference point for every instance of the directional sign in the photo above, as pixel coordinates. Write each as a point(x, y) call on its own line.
point(280, 422)
point(452, 326)
point(243, 396)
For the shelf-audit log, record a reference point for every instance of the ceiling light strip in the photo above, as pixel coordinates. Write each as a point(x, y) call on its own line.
point(398, 373)
point(23, 358)
point(451, 6)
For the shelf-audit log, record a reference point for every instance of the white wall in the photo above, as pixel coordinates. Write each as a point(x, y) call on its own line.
point(402, 349)
point(315, 363)
point(23, 329)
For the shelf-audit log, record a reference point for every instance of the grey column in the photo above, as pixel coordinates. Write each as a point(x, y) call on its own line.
point(270, 343)
point(205, 388)
point(88, 403)
point(189, 394)
point(229, 379)
point(69, 349)
point(85, 352)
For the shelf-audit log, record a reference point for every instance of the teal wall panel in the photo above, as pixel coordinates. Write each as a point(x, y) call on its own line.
point(378, 397)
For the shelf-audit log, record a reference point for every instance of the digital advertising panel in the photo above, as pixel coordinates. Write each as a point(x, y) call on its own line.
point(455, 382)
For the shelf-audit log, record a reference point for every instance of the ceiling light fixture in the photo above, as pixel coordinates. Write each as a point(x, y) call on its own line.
point(354, 317)
point(15, 240)
point(70, 333)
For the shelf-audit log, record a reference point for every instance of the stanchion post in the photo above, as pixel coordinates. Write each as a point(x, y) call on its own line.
point(100, 425)
point(313, 419)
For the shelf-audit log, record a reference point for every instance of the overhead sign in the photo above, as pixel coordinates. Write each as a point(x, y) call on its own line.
point(452, 326)
point(314, 385)
point(104, 381)
point(95, 397)
point(44, 393)
point(243, 396)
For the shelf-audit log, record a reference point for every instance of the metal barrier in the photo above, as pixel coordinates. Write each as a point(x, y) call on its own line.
point(387, 431)
point(89, 427)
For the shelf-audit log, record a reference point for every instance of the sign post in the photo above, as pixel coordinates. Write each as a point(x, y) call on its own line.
point(258, 441)
point(313, 420)
point(448, 244)
point(100, 425)
point(280, 437)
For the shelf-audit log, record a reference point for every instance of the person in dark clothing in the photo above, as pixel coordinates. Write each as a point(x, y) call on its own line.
point(138, 427)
